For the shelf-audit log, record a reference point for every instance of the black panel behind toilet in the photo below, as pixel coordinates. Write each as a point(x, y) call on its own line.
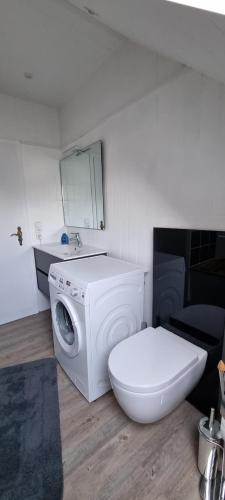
point(189, 297)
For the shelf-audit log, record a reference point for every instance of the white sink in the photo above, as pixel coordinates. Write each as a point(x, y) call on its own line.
point(70, 252)
point(67, 252)
point(62, 249)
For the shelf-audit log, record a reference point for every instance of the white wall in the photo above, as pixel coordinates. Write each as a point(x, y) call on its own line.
point(29, 122)
point(43, 196)
point(39, 125)
point(163, 161)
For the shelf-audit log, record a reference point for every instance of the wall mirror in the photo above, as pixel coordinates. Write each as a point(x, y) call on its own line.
point(82, 189)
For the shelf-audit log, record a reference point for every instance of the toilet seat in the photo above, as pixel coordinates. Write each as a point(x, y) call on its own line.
point(151, 361)
point(154, 371)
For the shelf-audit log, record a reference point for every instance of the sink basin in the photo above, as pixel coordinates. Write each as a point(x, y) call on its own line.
point(63, 249)
point(72, 251)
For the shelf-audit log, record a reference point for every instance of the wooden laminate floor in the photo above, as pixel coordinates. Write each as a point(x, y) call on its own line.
point(105, 455)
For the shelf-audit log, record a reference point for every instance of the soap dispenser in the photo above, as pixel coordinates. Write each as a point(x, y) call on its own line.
point(65, 239)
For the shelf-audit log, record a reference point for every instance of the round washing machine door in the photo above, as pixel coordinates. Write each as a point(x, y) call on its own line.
point(67, 326)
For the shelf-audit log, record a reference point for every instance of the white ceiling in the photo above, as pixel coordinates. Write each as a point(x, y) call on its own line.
point(186, 34)
point(209, 5)
point(62, 46)
point(56, 42)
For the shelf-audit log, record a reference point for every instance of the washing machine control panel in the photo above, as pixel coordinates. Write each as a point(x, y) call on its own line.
point(67, 287)
point(77, 294)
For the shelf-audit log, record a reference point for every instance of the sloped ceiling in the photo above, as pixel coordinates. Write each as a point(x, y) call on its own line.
point(186, 34)
point(56, 42)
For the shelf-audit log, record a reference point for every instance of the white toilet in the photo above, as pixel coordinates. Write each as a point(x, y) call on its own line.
point(153, 371)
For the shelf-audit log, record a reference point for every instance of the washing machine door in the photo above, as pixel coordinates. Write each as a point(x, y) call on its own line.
point(67, 327)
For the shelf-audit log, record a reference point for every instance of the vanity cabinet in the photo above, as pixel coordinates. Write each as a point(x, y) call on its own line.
point(50, 254)
point(43, 261)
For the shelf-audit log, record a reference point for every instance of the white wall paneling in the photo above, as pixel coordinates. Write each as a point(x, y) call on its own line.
point(163, 162)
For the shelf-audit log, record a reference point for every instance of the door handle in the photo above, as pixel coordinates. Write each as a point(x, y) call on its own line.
point(19, 235)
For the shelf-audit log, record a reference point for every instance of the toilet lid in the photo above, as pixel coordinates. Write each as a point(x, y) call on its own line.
point(150, 360)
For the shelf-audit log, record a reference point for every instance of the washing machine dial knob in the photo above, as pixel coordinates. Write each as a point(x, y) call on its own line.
point(74, 292)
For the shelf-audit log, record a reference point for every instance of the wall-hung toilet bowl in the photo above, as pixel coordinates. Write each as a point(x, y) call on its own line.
point(153, 371)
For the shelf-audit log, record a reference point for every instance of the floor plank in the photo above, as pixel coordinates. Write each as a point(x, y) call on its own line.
point(106, 456)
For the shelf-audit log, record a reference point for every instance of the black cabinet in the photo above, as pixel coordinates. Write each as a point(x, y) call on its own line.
point(189, 298)
point(43, 261)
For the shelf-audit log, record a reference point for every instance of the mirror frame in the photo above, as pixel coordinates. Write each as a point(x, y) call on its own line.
point(95, 172)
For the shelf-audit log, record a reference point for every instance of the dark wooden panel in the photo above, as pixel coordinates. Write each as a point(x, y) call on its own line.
point(43, 260)
point(42, 280)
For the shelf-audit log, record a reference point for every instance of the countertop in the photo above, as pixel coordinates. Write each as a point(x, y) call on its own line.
point(68, 252)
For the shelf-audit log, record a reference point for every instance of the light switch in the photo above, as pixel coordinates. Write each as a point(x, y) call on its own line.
point(38, 230)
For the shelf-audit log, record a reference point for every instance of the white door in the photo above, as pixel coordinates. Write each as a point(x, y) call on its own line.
point(17, 273)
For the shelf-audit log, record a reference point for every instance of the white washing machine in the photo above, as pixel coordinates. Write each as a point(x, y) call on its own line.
point(95, 303)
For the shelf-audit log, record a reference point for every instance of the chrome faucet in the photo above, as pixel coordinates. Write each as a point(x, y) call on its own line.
point(75, 238)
